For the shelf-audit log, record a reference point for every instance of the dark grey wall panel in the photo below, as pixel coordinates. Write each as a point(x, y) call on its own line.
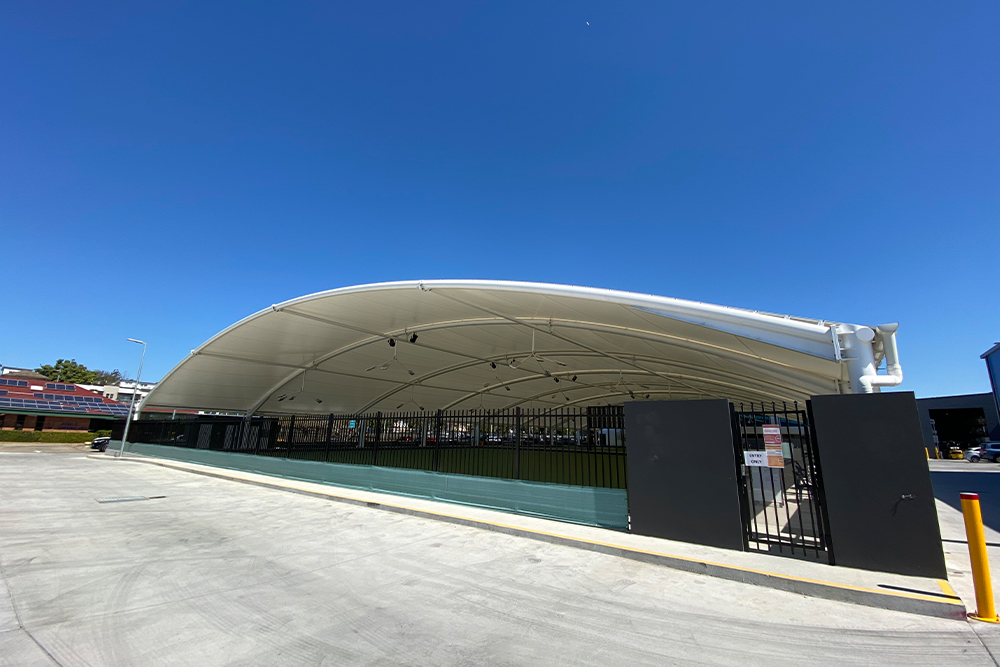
point(682, 482)
point(871, 452)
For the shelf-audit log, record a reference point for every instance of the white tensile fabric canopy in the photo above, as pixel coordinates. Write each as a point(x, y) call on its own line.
point(480, 344)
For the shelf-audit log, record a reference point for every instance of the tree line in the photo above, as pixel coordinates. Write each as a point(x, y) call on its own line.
point(69, 371)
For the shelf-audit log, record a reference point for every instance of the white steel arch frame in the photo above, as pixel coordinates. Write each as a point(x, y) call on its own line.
point(499, 344)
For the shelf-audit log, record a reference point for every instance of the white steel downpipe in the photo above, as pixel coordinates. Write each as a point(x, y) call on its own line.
point(894, 372)
point(857, 343)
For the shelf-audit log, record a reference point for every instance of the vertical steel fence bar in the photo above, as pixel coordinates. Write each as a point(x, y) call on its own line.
point(517, 444)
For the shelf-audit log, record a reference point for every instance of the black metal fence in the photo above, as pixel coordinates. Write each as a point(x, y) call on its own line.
point(576, 446)
point(781, 483)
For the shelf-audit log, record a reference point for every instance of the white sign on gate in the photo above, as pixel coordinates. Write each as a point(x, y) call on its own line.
point(757, 459)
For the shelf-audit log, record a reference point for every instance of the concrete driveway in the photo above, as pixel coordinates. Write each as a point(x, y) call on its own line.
point(225, 573)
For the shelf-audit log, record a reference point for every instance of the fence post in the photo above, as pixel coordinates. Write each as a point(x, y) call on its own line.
point(378, 437)
point(273, 431)
point(329, 437)
point(437, 443)
point(517, 445)
point(741, 475)
point(243, 434)
point(291, 435)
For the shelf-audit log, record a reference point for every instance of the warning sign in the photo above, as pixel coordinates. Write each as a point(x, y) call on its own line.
point(772, 447)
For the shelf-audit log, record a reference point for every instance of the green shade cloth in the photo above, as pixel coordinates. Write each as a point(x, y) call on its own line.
point(607, 508)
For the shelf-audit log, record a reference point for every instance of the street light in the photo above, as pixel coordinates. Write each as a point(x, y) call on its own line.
point(135, 390)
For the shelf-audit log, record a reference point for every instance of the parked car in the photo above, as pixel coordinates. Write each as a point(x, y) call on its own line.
point(989, 451)
point(100, 444)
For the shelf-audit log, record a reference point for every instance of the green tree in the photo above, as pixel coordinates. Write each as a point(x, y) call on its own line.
point(104, 377)
point(68, 370)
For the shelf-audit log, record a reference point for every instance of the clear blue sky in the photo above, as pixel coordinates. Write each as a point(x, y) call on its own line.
point(167, 168)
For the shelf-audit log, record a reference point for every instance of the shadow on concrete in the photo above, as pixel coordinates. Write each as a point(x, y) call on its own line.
point(948, 486)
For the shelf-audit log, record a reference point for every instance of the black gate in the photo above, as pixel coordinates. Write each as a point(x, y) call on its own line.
point(782, 486)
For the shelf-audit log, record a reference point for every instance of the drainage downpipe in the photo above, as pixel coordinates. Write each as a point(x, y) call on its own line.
point(858, 346)
point(894, 372)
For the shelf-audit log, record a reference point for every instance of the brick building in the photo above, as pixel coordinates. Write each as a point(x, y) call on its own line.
point(31, 404)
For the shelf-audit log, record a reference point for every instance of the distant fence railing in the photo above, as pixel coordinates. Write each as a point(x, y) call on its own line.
point(576, 446)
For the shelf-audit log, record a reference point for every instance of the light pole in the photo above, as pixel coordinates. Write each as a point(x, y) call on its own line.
point(135, 390)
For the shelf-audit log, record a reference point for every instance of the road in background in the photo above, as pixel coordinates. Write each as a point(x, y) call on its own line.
point(951, 478)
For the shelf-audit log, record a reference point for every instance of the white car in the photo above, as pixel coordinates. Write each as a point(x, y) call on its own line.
point(988, 450)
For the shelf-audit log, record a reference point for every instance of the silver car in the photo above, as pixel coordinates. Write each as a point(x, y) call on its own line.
point(988, 450)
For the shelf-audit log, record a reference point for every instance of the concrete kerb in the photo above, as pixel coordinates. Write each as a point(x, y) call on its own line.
point(947, 605)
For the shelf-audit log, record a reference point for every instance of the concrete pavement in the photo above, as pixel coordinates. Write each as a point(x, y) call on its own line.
point(919, 595)
point(225, 573)
point(46, 447)
point(950, 478)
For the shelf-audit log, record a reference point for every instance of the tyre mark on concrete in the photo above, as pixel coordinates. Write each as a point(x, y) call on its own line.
point(17, 616)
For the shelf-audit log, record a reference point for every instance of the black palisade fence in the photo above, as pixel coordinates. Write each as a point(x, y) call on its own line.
point(576, 446)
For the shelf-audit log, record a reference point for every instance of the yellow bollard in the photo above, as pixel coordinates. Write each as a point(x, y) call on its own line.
point(985, 611)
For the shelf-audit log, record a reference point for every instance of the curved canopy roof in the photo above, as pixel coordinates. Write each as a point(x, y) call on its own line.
point(492, 344)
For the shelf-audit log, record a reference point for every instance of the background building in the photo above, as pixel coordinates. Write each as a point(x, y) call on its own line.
point(964, 420)
point(122, 392)
point(28, 403)
point(992, 357)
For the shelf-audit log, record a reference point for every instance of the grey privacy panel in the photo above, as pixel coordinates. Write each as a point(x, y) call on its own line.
point(682, 472)
point(879, 499)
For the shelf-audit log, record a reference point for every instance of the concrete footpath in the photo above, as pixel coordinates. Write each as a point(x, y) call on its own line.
point(930, 597)
point(976, 478)
point(45, 447)
point(217, 571)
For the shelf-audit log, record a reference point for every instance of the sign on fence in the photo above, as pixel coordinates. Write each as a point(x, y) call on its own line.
point(772, 447)
point(757, 459)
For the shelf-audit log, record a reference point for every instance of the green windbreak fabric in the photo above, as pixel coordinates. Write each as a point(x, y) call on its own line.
point(586, 505)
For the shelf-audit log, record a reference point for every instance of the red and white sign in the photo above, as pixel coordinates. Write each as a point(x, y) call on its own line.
point(772, 435)
point(772, 445)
